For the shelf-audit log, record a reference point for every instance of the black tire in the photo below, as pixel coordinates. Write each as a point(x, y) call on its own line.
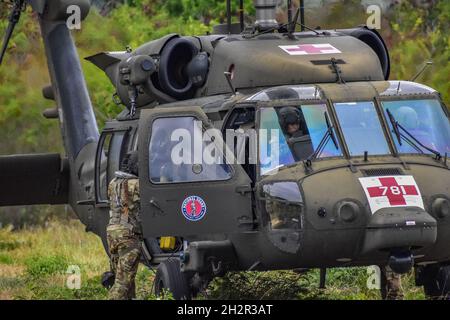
point(153, 246)
point(436, 281)
point(169, 277)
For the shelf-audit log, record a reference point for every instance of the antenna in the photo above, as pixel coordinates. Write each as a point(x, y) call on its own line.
point(424, 67)
point(302, 14)
point(229, 15)
point(289, 6)
point(241, 15)
point(293, 24)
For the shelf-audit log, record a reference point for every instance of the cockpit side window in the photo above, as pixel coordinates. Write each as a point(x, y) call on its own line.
point(292, 134)
point(283, 204)
point(180, 151)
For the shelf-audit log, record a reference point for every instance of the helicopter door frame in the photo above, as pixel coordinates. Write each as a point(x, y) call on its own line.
point(194, 206)
point(109, 132)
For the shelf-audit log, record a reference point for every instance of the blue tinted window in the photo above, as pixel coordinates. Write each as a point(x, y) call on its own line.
point(317, 128)
point(362, 128)
point(279, 147)
point(425, 120)
point(274, 150)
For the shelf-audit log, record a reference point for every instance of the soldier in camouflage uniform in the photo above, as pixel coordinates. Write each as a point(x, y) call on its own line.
point(391, 284)
point(124, 230)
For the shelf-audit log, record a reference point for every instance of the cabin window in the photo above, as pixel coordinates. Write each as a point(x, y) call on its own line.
point(180, 151)
point(283, 203)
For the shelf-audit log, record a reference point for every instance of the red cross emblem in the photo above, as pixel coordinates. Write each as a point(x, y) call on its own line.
point(393, 191)
point(310, 49)
point(307, 49)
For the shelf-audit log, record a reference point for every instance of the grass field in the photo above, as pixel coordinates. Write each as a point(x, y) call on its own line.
point(34, 264)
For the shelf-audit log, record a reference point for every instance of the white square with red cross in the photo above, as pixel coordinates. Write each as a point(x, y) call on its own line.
point(392, 191)
point(310, 49)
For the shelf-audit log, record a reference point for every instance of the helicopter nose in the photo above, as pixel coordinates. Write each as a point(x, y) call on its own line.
point(409, 228)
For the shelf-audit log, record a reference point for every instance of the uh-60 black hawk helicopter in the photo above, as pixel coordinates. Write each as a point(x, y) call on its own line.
point(361, 179)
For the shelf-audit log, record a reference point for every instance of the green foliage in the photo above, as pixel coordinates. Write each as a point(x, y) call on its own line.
point(39, 266)
point(422, 35)
point(341, 284)
point(7, 242)
point(259, 285)
point(6, 259)
point(9, 245)
point(51, 290)
point(21, 217)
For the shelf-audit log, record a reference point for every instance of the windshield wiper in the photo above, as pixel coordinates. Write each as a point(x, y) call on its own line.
point(329, 135)
point(412, 141)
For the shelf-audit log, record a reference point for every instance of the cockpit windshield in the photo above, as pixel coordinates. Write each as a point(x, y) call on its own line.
point(362, 128)
point(292, 134)
point(296, 133)
point(424, 120)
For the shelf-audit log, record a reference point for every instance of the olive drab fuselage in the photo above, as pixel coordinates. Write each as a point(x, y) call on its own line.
point(336, 226)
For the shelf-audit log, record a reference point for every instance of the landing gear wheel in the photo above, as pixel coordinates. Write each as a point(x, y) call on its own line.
point(169, 277)
point(435, 280)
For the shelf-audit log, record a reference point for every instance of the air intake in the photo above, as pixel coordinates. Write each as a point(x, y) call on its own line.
point(382, 172)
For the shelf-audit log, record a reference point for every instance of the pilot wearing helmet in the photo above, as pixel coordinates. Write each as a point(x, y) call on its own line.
point(291, 122)
point(294, 128)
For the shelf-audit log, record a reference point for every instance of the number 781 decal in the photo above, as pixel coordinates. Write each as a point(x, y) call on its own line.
point(392, 191)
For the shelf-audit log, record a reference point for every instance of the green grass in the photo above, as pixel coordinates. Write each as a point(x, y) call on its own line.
point(46, 266)
point(34, 264)
point(6, 259)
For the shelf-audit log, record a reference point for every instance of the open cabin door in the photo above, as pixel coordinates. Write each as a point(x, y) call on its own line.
point(197, 196)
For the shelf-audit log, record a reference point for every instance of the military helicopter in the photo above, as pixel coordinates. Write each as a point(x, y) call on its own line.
point(363, 180)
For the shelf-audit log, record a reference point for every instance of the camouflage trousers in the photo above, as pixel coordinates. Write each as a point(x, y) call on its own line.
point(391, 285)
point(125, 253)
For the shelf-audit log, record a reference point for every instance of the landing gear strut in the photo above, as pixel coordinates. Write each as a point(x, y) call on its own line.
point(435, 279)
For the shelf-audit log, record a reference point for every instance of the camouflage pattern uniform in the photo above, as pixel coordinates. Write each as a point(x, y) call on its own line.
point(124, 234)
point(391, 285)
